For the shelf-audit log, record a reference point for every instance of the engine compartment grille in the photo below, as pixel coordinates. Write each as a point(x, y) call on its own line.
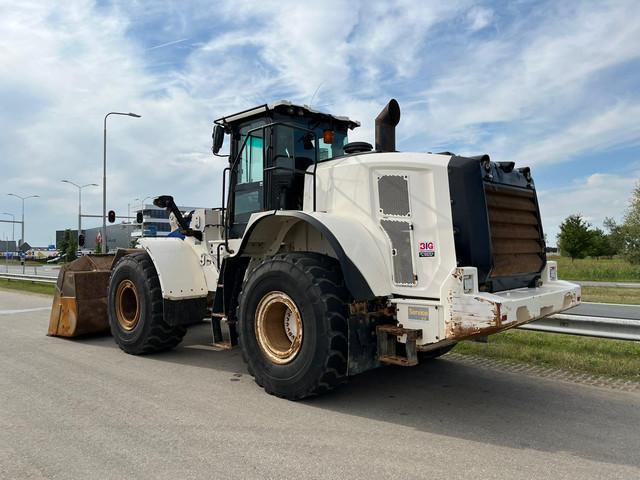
point(516, 235)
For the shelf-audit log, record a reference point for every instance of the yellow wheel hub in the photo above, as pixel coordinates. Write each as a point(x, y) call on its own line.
point(278, 327)
point(127, 305)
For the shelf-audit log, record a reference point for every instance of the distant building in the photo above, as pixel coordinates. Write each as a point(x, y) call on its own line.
point(118, 236)
point(155, 221)
point(8, 246)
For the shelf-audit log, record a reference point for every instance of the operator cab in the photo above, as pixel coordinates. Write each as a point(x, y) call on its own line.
point(272, 149)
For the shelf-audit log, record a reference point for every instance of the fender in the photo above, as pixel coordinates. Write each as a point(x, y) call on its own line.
point(362, 263)
point(178, 265)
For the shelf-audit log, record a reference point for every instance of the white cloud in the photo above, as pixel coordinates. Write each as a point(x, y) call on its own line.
point(611, 127)
point(596, 197)
point(537, 79)
point(526, 88)
point(479, 18)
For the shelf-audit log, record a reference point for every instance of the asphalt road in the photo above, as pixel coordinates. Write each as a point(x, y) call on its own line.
point(84, 409)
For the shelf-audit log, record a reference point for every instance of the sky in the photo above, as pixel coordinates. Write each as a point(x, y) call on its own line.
point(550, 85)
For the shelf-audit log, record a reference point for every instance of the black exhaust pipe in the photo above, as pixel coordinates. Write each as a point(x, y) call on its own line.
point(386, 122)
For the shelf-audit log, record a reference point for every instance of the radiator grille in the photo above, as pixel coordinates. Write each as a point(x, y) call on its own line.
point(393, 195)
point(516, 234)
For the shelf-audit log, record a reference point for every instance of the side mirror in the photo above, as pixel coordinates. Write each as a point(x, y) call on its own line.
point(139, 217)
point(111, 216)
point(218, 139)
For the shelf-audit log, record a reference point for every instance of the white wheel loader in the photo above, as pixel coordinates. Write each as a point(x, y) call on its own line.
point(328, 258)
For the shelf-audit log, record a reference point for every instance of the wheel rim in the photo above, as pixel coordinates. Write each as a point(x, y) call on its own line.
point(278, 327)
point(127, 305)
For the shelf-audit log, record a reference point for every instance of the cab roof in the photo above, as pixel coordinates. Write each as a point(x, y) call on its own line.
point(284, 107)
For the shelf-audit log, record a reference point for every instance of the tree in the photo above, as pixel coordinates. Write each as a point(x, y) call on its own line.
point(63, 247)
point(615, 235)
point(98, 247)
point(631, 228)
point(574, 238)
point(72, 250)
point(599, 244)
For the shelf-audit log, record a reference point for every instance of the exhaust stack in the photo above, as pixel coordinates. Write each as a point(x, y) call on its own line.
point(386, 122)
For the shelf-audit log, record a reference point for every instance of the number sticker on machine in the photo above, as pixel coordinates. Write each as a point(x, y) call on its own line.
point(426, 249)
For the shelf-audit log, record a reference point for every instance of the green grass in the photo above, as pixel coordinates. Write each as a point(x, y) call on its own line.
point(612, 358)
point(604, 269)
point(26, 286)
point(629, 296)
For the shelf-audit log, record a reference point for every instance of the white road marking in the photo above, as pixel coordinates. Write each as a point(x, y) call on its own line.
point(23, 310)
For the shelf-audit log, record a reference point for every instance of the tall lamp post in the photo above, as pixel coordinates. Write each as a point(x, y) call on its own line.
point(13, 226)
point(80, 187)
point(129, 208)
point(104, 177)
point(23, 199)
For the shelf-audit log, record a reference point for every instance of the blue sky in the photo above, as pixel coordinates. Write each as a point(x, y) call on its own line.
point(553, 85)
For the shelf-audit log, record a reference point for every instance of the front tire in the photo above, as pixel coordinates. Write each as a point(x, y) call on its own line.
point(136, 308)
point(292, 316)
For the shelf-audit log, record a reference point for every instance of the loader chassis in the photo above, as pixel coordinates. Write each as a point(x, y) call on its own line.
point(328, 259)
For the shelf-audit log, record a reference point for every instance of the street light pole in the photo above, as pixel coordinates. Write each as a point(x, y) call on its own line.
point(23, 199)
point(80, 187)
point(104, 177)
point(129, 208)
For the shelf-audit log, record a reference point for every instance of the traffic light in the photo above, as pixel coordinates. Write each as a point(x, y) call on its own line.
point(139, 217)
point(111, 216)
point(81, 240)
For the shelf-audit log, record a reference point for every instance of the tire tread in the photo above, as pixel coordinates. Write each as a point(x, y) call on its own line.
point(326, 277)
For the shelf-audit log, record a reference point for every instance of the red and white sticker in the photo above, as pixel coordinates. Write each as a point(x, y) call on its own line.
point(426, 249)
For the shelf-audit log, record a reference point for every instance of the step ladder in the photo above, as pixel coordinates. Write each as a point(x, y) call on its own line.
point(388, 341)
point(223, 331)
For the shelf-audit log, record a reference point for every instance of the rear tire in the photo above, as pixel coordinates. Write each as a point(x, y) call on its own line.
point(292, 315)
point(135, 306)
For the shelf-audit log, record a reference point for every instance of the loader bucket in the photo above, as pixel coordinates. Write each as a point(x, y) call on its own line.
point(80, 302)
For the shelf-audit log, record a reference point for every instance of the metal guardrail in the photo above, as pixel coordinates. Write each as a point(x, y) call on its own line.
point(589, 283)
point(29, 278)
point(602, 327)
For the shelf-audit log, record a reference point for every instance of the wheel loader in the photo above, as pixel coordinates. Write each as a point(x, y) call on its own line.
point(327, 257)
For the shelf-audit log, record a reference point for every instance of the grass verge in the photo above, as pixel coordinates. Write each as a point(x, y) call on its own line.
point(599, 270)
point(598, 356)
point(630, 296)
point(25, 286)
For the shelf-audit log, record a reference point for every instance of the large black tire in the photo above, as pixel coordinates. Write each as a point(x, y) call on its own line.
point(135, 308)
point(438, 352)
point(314, 283)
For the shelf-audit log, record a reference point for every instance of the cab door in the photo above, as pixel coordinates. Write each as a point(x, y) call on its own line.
point(248, 181)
